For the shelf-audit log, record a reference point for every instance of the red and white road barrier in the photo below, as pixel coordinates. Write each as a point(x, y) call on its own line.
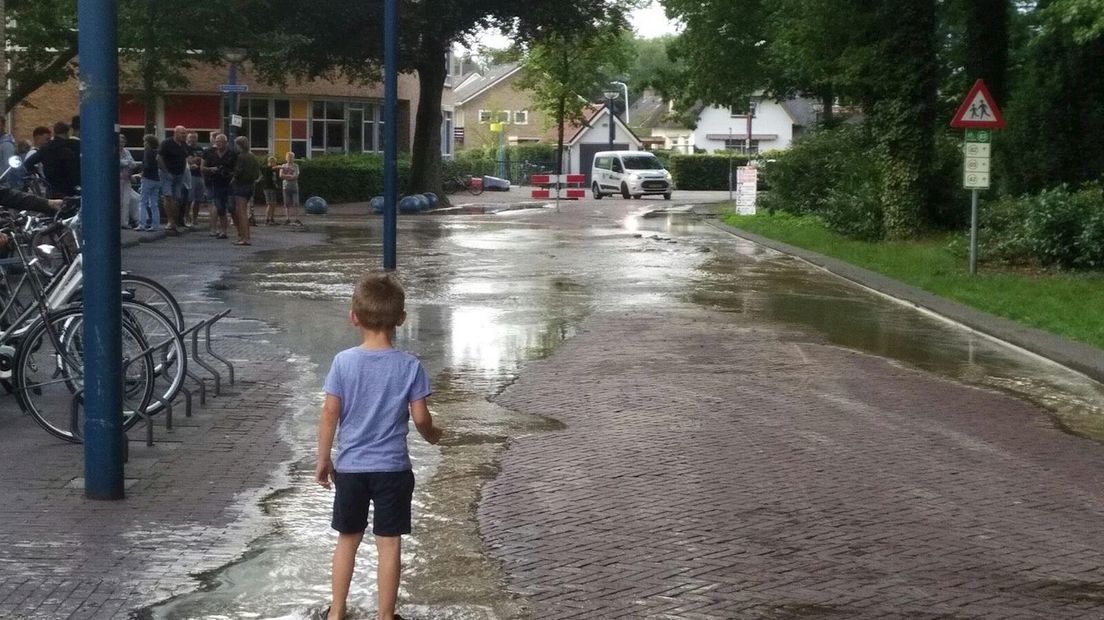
point(569, 193)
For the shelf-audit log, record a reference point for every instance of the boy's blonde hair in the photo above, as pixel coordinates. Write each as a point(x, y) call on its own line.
point(378, 301)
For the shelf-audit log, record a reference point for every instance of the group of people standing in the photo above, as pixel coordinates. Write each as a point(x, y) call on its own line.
point(181, 177)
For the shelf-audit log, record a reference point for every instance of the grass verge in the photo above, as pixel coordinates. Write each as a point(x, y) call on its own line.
point(1067, 304)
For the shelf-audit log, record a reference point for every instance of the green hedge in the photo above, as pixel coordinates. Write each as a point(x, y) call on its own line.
point(704, 172)
point(347, 178)
point(1058, 227)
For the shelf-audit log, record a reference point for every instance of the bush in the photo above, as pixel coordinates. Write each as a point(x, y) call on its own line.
point(704, 172)
point(1058, 227)
point(347, 178)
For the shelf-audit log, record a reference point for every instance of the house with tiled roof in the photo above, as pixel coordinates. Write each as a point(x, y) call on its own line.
point(654, 120)
point(491, 97)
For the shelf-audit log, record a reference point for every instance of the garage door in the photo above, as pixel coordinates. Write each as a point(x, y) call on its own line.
point(586, 155)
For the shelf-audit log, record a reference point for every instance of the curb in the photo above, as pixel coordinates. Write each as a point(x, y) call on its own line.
point(1085, 359)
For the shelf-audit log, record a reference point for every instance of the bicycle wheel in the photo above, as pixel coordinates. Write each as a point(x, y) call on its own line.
point(452, 185)
point(49, 371)
point(166, 348)
point(474, 188)
point(150, 292)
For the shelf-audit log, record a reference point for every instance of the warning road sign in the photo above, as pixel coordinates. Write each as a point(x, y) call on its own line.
point(979, 110)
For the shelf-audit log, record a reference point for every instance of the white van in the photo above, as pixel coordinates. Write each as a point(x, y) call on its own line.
point(630, 173)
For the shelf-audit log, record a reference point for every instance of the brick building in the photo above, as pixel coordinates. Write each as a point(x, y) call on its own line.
point(309, 118)
point(492, 97)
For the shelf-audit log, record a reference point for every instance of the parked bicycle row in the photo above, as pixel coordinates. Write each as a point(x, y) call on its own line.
point(42, 337)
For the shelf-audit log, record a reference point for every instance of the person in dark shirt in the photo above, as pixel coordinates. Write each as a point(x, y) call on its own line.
point(60, 159)
point(196, 191)
point(219, 164)
point(173, 157)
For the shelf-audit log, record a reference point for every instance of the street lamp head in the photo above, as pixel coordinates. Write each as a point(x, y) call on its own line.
point(233, 55)
point(611, 94)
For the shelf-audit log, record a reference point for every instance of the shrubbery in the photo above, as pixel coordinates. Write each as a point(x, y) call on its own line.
point(484, 161)
point(837, 175)
point(703, 172)
point(1057, 227)
point(347, 178)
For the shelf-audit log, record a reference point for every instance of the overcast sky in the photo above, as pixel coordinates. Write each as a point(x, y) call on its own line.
point(648, 22)
point(652, 22)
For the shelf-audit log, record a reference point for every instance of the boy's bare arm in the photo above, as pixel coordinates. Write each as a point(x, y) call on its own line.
point(423, 421)
point(327, 428)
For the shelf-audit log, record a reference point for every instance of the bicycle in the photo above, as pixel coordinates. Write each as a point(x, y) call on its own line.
point(457, 183)
point(42, 352)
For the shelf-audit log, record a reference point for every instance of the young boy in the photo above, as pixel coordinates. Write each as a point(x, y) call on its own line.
point(371, 392)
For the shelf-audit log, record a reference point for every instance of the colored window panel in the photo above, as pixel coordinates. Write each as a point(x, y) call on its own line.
point(299, 130)
point(299, 110)
point(283, 130)
point(282, 147)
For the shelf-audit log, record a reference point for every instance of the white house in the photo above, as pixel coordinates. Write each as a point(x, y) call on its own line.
point(774, 125)
point(582, 141)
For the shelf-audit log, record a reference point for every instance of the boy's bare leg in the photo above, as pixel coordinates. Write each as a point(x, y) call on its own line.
point(387, 574)
point(344, 560)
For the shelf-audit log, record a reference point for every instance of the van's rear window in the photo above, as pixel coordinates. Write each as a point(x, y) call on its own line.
point(641, 162)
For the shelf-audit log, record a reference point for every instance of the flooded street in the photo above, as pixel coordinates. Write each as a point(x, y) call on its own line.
point(486, 295)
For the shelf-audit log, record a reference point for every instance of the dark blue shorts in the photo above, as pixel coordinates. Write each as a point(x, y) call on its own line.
point(389, 494)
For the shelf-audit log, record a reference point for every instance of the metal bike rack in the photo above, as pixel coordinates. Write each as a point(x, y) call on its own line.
point(206, 326)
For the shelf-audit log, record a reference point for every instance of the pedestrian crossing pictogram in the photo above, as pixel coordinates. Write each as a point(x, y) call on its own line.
point(979, 110)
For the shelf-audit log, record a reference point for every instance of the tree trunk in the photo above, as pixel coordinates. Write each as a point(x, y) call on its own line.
point(425, 155)
point(986, 42)
point(828, 102)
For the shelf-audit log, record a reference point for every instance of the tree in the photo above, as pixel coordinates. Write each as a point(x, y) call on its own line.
point(1056, 112)
point(722, 51)
point(155, 51)
point(45, 33)
point(563, 70)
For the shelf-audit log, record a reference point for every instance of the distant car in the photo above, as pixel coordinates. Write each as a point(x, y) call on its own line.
point(630, 173)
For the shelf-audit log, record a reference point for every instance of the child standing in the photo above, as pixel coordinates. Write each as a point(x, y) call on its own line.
point(371, 392)
point(268, 185)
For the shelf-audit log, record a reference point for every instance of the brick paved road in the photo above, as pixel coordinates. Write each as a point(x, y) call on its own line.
point(192, 499)
point(716, 470)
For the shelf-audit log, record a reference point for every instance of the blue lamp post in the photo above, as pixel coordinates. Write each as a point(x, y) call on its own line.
point(234, 56)
point(103, 391)
point(390, 131)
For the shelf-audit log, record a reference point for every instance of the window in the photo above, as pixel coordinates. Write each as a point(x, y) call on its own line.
point(290, 127)
point(327, 127)
point(488, 116)
point(484, 116)
point(364, 124)
point(740, 146)
point(446, 133)
point(504, 117)
point(521, 117)
point(740, 110)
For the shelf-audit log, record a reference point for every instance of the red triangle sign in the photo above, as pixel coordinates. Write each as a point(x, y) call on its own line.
point(979, 110)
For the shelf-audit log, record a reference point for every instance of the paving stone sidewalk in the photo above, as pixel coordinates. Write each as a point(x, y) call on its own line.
point(718, 470)
point(192, 498)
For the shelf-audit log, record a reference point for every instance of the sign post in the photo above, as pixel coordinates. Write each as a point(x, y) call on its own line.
point(978, 115)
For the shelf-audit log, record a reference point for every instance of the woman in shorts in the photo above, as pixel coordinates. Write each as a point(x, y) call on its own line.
point(246, 172)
